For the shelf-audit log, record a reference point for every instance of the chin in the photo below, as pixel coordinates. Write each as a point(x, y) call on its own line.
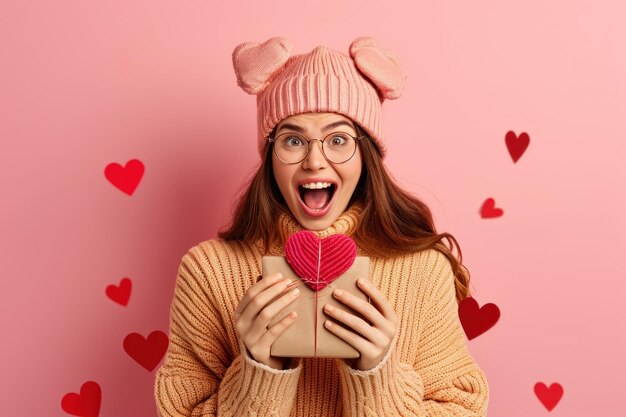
point(319, 224)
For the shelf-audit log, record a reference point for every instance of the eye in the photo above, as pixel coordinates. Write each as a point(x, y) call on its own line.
point(338, 139)
point(293, 141)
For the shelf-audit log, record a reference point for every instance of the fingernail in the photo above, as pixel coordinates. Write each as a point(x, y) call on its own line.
point(338, 293)
point(362, 282)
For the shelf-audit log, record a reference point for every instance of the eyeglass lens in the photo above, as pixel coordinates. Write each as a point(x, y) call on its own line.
point(292, 147)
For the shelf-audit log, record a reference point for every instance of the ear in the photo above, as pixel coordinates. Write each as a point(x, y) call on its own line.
point(381, 66)
point(255, 64)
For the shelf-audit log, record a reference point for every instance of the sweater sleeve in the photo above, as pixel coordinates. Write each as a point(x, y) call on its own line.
point(201, 376)
point(443, 380)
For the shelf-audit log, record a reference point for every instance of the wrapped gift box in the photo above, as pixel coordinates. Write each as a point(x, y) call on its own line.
point(307, 337)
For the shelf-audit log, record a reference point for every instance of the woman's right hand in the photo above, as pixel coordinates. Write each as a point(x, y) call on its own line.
point(253, 314)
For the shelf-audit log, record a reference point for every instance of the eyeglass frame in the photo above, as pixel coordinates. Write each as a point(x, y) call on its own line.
point(308, 146)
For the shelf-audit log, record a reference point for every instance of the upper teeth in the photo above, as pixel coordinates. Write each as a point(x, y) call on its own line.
point(317, 185)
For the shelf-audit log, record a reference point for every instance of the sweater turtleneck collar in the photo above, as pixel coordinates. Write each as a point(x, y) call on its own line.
point(345, 224)
point(287, 225)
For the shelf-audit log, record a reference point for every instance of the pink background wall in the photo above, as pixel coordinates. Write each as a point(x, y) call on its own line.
point(84, 84)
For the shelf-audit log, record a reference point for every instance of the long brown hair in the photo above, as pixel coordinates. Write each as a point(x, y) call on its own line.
point(392, 222)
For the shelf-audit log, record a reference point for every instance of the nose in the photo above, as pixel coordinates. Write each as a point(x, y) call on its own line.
point(315, 159)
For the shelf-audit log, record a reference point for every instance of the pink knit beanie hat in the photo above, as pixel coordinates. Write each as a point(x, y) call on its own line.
point(323, 80)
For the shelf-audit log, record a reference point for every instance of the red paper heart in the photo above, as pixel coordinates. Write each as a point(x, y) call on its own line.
point(146, 352)
point(85, 404)
point(489, 210)
point(120, 294)
point(125, 178)
point(475, 320)
point(549, 397)
point(516, 145)
point(318, 262)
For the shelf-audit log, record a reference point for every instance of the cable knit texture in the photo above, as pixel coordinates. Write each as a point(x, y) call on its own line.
point(207, 371)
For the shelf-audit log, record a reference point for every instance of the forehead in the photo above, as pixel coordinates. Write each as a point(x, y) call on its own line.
point(312, 120)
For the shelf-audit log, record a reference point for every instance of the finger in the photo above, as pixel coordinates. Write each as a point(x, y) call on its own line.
point(380, 301)
point(261, 300)
point(366, 309)
point(353, 339)
point(270, 336)
point(256, 289)
point(266, 315)
point(355, 323)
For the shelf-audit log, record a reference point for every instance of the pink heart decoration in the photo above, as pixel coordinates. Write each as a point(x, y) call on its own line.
point(381, 66)
point(307, 255)
point(256, 64)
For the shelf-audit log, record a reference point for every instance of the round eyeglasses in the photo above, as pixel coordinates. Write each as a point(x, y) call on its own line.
point(292, 148)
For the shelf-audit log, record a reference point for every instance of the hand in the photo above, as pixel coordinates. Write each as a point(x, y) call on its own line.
point(253, 314)
point(371, 340)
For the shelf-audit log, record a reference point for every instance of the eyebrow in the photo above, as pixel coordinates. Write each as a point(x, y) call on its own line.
point(324, 129)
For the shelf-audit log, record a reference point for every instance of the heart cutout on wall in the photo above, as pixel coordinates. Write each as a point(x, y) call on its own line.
point(149, 351)
point(309, 255)
point(125, 178)
point(120, 294)
point(85, 404)
point(489, 210)
point(475, 320)
point(549, 397)
point(516, 144)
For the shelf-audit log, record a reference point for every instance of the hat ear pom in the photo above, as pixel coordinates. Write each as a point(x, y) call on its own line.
point(257, 64)
point(381, 66)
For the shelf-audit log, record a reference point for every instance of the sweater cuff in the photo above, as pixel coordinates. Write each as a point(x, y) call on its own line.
point(363, 390)
point(296, 365)
point(267, 388)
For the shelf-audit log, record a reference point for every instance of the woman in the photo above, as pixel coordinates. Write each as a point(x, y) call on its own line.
point(413, 359)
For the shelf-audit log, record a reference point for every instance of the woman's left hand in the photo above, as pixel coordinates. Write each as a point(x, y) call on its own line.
point(372, 340)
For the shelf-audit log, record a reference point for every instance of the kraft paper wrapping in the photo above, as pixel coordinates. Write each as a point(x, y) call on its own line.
point(299, 339)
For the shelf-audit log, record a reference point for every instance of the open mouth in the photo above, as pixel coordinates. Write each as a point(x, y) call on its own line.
point(317, 199)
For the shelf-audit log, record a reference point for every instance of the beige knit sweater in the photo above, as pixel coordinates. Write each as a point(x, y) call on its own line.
point(428, 371)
